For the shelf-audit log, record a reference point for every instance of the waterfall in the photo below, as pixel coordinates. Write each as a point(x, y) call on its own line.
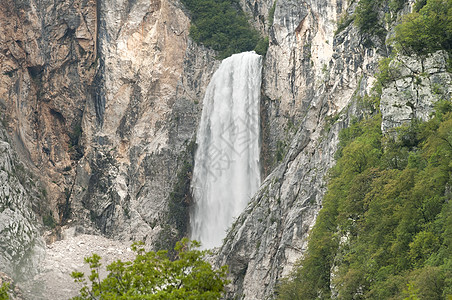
point(227, 172)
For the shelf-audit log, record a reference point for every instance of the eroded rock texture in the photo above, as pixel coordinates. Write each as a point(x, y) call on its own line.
point(416, 84)
point(141, 121)
point(47, 52)
point(101, 100)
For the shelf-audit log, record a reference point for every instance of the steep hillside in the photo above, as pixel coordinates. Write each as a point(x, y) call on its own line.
point(331, 81)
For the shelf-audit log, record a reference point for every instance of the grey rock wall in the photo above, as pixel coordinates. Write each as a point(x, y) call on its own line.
point(141, 121)
point(21, 197)
point(416, 84)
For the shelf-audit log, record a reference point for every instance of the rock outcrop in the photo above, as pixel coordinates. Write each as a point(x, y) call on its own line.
point(416, 84)
point(21, 197)
point(48, 56)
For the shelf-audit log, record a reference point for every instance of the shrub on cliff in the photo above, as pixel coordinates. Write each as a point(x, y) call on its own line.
point(223, 26)
point(426, 30)
point(152, 275)
point(4, 291)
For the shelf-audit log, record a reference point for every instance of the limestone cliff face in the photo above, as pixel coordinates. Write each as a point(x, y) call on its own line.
point(47, 53)
point(416, 84)
point(21, 197)
point(142, 118)
point(101, 100)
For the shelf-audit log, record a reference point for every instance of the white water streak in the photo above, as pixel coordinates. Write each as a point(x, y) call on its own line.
point(227, 171)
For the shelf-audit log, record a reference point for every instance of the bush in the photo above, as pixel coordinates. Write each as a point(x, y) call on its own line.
point(428, 30)
point(271, 14)
point(366, 16)
point(222, 26)
point(262, 46)
point(4, 291)
point(152, 275)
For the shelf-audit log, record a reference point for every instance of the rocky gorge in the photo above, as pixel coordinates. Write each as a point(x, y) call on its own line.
point(100, 103)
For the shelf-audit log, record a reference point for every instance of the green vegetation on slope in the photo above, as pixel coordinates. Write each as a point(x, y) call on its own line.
point(385, 229)
point(152, 275)
point(4, 291)
point(223, 26)
point(426, 30)
point(370, 16)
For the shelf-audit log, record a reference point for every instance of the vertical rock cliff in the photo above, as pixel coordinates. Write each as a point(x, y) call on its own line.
point(141, 119)
point(100, 102)
point(47, 54)
point(317, 68)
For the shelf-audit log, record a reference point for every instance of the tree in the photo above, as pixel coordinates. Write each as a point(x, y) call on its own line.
point(428, 30)
point(4, 291)
point(152, 275)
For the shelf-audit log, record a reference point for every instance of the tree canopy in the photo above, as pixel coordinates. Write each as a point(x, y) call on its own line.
point(152, 275)
point(385, 228)
point(223, 26)
point(426, 30)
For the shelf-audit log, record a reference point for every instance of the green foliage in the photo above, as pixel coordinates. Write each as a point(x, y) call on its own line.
point(271, 14)
point(366, 16)
point(75, 149)
point(419, 4)
point(49, 220)
point(4, 291)
point(396, 5)
point(385, 228)
point(384, 74)
point(152, 275)
point(427, 30)
point(280, 150)
point(262, 46)
point(343, 23)
point(222, 26)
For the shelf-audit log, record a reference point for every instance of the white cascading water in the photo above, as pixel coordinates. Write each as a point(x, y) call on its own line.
point(227, 171)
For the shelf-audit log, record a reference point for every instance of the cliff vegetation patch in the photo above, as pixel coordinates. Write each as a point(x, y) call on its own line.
point(427, 29)
point(223, 26)
point(385, 229)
